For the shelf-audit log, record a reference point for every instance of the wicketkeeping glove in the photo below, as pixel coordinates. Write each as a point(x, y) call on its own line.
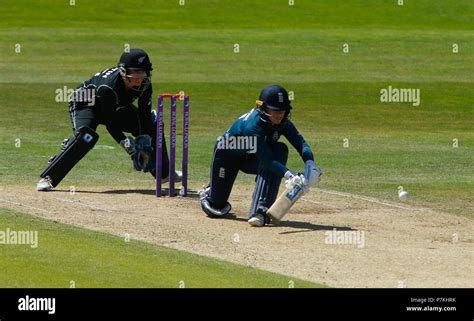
point(143, 158)
point(129, 145)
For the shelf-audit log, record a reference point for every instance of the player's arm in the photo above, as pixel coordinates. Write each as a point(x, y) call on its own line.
point(312, 172)
point(265, 155)
point(107, 101)
point(298, 142)
point(144, 157)
point(144, 112)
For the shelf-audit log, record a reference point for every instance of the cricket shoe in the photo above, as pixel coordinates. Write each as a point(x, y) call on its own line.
point(260, 218)
point(44, 184)
point(213, 212)
point(178, 177)
point(204, 192)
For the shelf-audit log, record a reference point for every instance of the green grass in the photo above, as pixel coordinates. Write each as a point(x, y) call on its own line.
point(300, 47)
point(92, 259)
point(218, 14)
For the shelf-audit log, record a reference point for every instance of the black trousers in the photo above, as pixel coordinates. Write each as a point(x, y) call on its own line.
point(126, 121)
point(226, 165)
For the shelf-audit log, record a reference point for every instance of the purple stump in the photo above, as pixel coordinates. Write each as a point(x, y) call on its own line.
point(184, 164)
point(171, 191)
point(159, 146)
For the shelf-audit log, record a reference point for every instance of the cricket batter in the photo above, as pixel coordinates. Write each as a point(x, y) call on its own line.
point(269, 120)
point(107, 99)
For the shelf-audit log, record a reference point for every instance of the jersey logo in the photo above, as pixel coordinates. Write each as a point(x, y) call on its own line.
point(222, 172)
point(275, 135)
point(280, 97)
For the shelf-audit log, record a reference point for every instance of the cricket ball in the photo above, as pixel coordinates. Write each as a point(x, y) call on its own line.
point(403, 195)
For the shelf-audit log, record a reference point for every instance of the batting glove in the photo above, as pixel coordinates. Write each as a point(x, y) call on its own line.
point(312, 173)
point(292, 178)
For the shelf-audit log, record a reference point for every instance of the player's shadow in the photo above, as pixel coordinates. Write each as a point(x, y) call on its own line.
point(191, 194)
point(164, 192)
point(309, 227)
point(301, 226)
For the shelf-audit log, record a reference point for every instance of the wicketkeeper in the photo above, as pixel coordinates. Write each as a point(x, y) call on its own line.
point(108, 99)
point(265, 123)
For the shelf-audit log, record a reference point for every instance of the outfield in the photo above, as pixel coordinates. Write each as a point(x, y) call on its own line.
point(427, 149)
point(70, 257)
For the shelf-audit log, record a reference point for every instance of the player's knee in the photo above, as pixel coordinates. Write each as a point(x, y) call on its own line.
point(87, 135)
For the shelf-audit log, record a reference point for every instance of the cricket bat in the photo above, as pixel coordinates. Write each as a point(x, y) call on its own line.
point(285, 201)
